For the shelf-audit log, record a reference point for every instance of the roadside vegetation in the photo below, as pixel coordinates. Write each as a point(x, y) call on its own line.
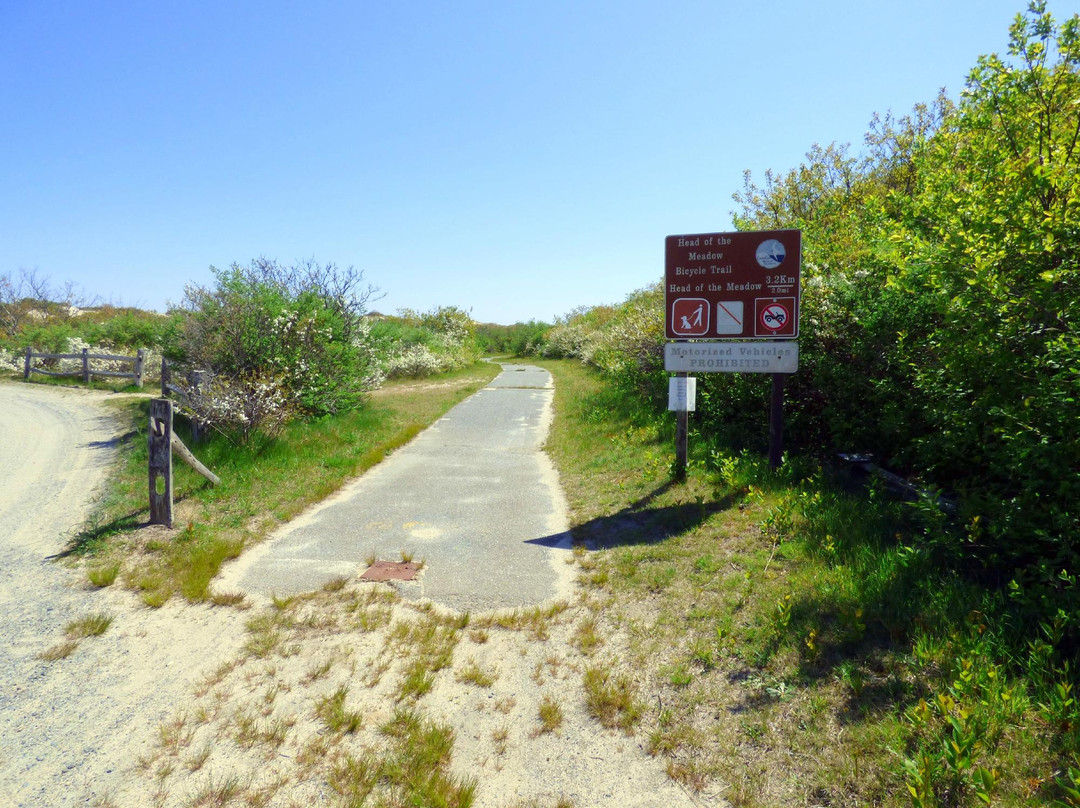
point(816, 638)
point(794, 637)
point(790, 638)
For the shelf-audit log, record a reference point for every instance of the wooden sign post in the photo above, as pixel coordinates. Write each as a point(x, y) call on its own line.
point(161, 478)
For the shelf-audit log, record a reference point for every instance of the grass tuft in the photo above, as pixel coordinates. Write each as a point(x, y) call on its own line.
point(551, 714)
point(62, 650)
point(612, 699)
point(472, 674)
point(414, 770)
point(92, 625)
point(331, 709)
point(102, 575)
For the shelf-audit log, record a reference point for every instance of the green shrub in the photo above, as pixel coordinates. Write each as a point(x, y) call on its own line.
point(297, 333)
point(415, 345)
point(519, 339)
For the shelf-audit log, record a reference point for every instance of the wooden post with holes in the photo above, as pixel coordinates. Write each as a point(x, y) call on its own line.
point(29, 357)
point(140, 360)
point(161, 479)
point(86, 365)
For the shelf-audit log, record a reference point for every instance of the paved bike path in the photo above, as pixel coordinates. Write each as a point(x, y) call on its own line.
point(473, 496)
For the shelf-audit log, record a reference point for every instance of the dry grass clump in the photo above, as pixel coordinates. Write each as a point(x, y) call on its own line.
point(91, 625)
point(612, 698)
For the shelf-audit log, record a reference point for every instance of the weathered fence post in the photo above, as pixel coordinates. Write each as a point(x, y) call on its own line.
point(161, 480)
point(26, 372)
point(140, 358)
point(197, 379)
point(86, 365)
point(165, 379)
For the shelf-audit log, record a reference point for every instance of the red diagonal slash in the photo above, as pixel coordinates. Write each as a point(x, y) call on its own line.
point(729, 314)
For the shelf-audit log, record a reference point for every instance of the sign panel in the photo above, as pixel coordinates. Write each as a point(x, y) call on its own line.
point(733, 285)
point(682, 394)
point(731, 357)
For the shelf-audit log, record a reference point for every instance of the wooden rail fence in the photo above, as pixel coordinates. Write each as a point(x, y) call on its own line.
point(88, 371)
point(196, 379)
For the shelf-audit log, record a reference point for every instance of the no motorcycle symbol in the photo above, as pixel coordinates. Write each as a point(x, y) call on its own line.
point(775, 317)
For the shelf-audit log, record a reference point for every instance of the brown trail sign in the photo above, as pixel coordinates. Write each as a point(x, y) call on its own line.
point(733, 286)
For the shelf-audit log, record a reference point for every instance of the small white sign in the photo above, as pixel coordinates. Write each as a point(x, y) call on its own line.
point(731, 357)
point(682, 394)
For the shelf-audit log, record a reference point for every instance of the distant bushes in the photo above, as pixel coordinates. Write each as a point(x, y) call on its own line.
point(519, 339)
point(414, 344)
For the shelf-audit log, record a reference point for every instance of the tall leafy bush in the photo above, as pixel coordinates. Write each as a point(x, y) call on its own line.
point(295, 333)
point(996, 215)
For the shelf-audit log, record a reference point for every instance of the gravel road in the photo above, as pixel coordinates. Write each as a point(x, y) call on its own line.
point(71, 729)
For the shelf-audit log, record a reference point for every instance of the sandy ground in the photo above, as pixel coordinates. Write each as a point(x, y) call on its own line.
point(69, 728)
point(190, 705)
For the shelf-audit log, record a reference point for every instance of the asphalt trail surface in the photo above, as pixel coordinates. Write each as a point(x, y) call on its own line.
point(473, 496)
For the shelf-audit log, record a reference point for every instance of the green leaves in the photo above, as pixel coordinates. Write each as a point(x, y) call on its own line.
point(941, 294)
point(297, 329)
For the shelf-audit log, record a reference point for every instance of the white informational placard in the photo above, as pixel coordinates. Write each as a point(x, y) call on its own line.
point(682, 394)
point(731, 357)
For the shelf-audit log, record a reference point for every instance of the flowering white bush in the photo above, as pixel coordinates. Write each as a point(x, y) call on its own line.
point(11, 362)
point(76, 345)
point(300, 326)
point(364, 344)
point(417, 360)
point(238, 407)
point(574, 340)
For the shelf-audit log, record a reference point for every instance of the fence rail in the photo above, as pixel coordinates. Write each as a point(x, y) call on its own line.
point(196, 379)
point(88, 371)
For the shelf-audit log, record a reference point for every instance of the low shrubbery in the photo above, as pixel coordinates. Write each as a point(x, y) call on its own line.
point(414, 344)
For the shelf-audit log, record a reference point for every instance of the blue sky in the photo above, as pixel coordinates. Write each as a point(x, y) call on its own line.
point(516, 159)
